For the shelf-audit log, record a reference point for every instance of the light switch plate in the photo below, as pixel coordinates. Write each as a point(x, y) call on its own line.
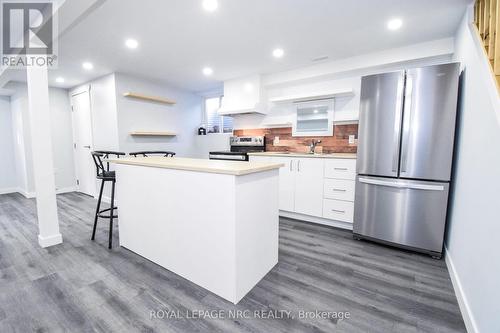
point(351, 139)
point(276, 140)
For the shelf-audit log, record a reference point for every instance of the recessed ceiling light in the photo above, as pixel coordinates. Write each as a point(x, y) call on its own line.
point(208, 71)
point(394, 24)
point(60, 79)
point(131, 43)
point(278, 53)
point(87, 65)
point(210, 5)
point(248, 87)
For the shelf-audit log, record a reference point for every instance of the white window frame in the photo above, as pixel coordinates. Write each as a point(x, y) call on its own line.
point(204, 115)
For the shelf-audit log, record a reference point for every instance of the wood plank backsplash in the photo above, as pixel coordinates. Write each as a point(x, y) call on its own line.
point(338, 143)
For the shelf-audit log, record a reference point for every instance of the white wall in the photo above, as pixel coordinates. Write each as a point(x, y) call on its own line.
point(341, 74)
point(8, 177)
point(473, 249)
point(22, 139)
point(115, 116)
point(62, 139)
point(183, 118)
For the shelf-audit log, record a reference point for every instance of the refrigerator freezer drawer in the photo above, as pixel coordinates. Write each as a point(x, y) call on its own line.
point(405, 212)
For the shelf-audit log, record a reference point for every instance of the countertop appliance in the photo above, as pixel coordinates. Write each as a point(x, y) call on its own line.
point(405, 151)
point(240, 147)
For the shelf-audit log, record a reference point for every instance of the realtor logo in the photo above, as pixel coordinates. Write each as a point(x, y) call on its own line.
point(27, 33)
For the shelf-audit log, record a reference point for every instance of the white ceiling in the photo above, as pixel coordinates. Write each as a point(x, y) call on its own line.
point(177, 38)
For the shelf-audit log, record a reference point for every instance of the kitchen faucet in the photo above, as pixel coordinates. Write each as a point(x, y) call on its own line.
point(312, 146)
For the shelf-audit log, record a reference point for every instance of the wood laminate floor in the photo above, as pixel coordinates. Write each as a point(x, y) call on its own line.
point(81, 286)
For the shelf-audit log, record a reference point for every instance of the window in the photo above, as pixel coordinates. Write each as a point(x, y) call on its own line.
point(214, 122)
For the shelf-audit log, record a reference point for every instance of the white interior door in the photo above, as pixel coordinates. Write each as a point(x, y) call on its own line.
point(82, 129)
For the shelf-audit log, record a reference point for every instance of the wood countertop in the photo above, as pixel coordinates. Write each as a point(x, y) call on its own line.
point(236, 168)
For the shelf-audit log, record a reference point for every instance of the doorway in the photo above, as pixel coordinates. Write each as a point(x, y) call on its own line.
point(83, 142)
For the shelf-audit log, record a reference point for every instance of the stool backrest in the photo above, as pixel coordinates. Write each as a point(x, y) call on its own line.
point(99, 155)
point(153, 152)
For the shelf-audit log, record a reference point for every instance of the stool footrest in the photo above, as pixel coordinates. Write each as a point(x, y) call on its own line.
point(101, 215)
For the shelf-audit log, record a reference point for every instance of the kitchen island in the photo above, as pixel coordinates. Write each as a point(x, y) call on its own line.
point(214, 223)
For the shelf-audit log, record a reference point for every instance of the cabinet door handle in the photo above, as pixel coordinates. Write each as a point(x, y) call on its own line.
point(342, 169)
point(338, 190)
point(338, 211)
point(291, 168)
point(298, 165)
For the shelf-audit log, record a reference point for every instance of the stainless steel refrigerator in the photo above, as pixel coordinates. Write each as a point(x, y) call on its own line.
point(405, 152)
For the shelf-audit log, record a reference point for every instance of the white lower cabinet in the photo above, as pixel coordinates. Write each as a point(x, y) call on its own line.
point(318, 187)
point(340, 169)
point(339, 189)
point(309, 186)
point(286, 183)
point(300, 184)
point(338, 210)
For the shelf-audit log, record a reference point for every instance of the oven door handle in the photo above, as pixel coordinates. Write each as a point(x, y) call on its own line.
point(227, 157)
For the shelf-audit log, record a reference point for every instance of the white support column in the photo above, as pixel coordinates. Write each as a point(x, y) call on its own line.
point(41, 142)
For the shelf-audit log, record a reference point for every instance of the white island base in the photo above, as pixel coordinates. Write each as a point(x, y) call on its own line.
point(217, 230)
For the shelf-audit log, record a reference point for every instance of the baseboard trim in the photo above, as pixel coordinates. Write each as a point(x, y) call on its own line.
point(31, 195)
point(317, 220)
point(8, 190)
point(27, 195)
point(467, 315)
point(49, 240)
point(66, 190)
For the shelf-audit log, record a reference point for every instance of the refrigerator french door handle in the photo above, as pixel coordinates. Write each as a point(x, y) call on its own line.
point(397, 123)
point(412, 186)
point(406, 121)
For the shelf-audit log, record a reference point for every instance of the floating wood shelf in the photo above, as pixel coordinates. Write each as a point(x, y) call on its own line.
point(150, 98)
point(152, 133)
point(313, 96)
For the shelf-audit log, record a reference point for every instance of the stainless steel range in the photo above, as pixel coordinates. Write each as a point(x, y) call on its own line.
point(240, 147)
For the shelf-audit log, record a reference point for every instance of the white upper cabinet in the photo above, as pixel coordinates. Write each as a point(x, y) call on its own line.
point(314, 118)
point(243, 95)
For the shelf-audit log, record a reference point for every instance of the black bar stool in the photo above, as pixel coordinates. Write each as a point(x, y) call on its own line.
point(153, 152)
point(105, 175)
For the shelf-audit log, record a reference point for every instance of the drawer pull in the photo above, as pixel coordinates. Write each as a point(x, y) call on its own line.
point(342, 169)
point(338, 190)
point(338, 211)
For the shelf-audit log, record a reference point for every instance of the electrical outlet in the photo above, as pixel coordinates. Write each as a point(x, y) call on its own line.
point(276, 140)
point(351, 139)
